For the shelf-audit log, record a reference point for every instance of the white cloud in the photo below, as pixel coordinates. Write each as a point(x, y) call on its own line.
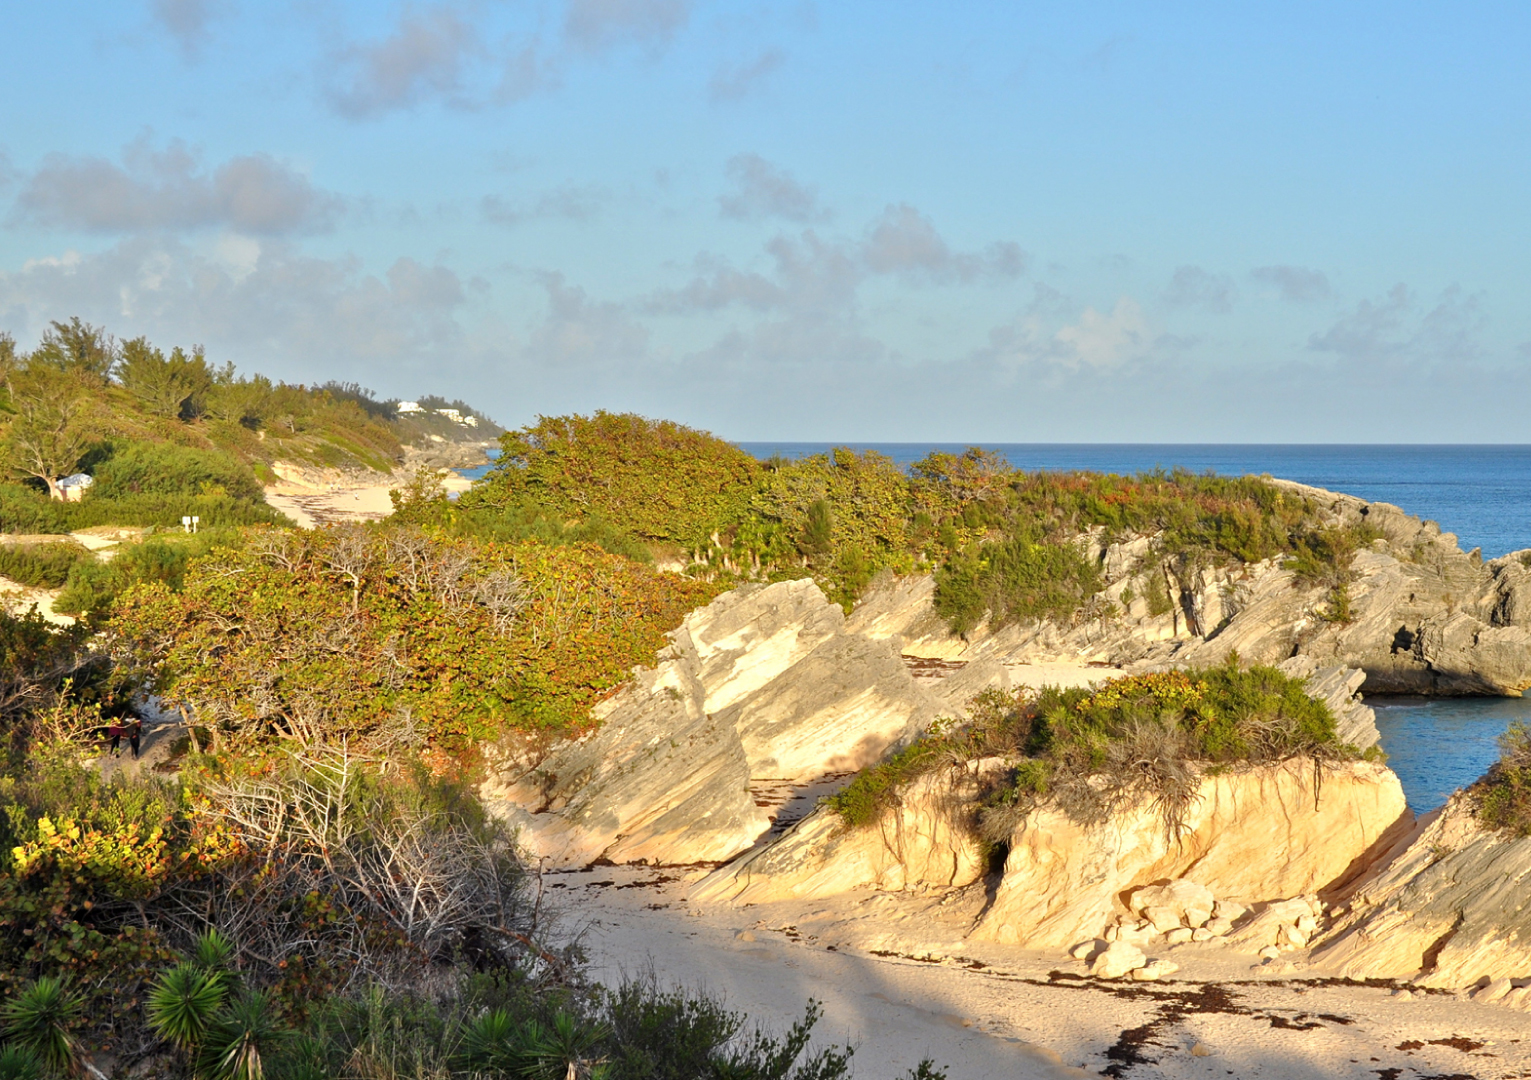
point(168, 189)
point(1105, 341)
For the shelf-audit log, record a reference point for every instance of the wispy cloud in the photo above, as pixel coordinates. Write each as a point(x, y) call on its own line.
point(761, 190)
point(1193, 287)
point(168, 189)
point(735, 82)
point(1398, 330)
point(598, 25)
point(903, 241)
point(1294, 284)
point(571, 202)
point(188, 22)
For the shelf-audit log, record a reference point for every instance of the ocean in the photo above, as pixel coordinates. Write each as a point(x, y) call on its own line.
point(1482, 493)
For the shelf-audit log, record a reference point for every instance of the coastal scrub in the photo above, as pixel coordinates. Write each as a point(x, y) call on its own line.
point(1090, 751)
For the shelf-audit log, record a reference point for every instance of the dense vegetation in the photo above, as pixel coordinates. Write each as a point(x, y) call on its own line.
point(298, 910)
point(1090, 752)
point(393, 635)
point(169, 435)
point(1005, 545)
point(1503, 796)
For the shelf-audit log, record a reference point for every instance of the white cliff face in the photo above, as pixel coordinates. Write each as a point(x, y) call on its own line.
point(1452, 910)
point(763, 683)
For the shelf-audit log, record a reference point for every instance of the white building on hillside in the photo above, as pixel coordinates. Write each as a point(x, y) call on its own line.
point(409, 407)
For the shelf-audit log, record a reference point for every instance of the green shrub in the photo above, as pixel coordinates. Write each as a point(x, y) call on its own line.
point(1090, 751)
point(656, 479)
point(92, 587)
point(142, 468)
point(1023, 577)
point(1504, 793)
point(42, 566)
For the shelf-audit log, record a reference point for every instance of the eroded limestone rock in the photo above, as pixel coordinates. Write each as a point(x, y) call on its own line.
point(922, 840)
point(1452, 910)
point(1249, 836)
point(763, 683)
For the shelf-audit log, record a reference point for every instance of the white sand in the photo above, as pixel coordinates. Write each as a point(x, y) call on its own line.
point(1024, 1014)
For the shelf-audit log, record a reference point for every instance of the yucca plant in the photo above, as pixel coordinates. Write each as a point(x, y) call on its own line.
point(241, 1038)
point(495, 1044)
point(184, 1003)
point(19, 1063)
point(39, 1020)
point(561, 1049)
point(213, 952)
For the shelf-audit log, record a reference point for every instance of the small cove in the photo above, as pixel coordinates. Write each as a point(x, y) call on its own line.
point(1437, 745)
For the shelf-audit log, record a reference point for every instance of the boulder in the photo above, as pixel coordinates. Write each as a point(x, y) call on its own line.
point(1117, 959)
point(1453, 909)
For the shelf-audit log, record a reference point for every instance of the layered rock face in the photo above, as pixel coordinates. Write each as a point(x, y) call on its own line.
point(1426, 617)
point(1452, 910)
point(1249, 837)
point(921, 840)
point(764, 682)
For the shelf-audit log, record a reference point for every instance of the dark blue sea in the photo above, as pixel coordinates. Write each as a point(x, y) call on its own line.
point(1482, 493)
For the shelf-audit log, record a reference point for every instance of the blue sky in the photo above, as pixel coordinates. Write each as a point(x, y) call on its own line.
point(959, 221)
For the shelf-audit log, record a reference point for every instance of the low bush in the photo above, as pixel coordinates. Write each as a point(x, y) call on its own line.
point(1504, 794)
point(142, 468)
point(24, 510)
point(42, 566)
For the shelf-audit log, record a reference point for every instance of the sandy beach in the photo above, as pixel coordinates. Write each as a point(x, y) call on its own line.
point(898, 982)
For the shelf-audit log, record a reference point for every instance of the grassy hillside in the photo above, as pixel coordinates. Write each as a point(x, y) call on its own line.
point(169, 434)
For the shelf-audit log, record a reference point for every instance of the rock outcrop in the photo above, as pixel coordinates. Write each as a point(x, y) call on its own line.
point(1452, 910)
point(763, 683)
point(1424, 617)
point(1249, 837)
point(922, 840)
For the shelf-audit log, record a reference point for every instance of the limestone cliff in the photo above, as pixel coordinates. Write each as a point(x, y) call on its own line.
point(1425, 617)
point(1251, 837)
point(765, 683)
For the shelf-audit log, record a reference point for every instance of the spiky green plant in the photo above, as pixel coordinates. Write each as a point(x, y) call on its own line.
point(184, 1002)
point(495, 1043)
point(213, 952)
point(562, 1048)
point(19, 1063)
point(39, 1019)
point(241, 1038)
